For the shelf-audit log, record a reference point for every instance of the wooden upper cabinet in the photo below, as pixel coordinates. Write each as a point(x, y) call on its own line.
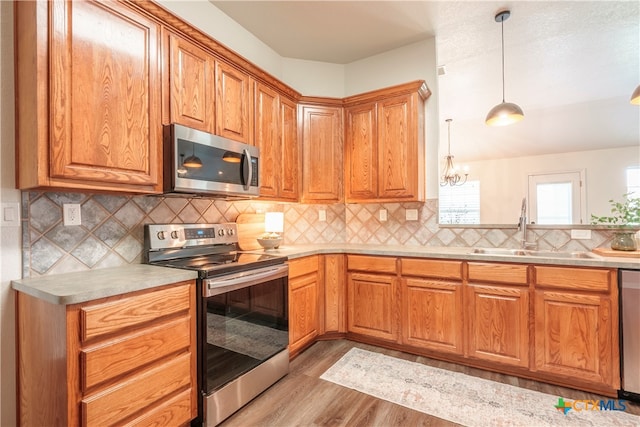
point(321, 153)
point(191, 85)
point(401, 148)
point(267, 139)
point(361, 152)
point(384, 144)
point(290, 164)
point(88, 97)
point(276, 137)
point(234, 112)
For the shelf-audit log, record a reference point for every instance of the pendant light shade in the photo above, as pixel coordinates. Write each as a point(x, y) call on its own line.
point(635, 97)
point(192, 161)
point(504, 113)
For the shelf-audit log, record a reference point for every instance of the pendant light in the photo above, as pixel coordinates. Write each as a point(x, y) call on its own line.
point(192, 161)
point(635, 97)
point(450, 176)
point(505, 113)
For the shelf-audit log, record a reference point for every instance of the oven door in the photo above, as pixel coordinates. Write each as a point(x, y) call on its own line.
point(244, 323)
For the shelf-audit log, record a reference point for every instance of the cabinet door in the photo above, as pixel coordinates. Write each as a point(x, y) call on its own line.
point(192, 85)
point(105, 97)
point(573, 336)
point(372, 305)
point(398, 155)
point(361, 153)
point(233, 113)
point(498, 322)
point(267, 139)
point(303, 311)
point(321, 154)
point(433, 315)
point(334, 294)
point(289, 165)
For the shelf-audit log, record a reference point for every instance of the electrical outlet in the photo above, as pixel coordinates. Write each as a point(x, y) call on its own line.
point(71, 214)
point(322, 215)
point(411, 214)
point(581, 234)
point(382, 214)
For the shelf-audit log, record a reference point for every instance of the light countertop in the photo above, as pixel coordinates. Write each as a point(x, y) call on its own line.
point(446, 252)
point(73, 288)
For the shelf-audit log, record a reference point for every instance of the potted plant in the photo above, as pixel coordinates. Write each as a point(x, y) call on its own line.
point(625, 220)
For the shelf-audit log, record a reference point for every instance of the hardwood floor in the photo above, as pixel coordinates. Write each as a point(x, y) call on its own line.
point(302, 399)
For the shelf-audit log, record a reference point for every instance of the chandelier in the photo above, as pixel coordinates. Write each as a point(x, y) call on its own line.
point(450, 176)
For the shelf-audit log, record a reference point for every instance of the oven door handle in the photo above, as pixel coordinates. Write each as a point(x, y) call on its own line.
point(235, 281)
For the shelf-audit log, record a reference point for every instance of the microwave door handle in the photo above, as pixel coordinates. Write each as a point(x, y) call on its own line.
point(247, 174)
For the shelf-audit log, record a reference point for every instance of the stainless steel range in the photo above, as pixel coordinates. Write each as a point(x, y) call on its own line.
point(242, 311)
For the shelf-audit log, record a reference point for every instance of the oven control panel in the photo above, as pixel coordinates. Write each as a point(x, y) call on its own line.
point(166, 236)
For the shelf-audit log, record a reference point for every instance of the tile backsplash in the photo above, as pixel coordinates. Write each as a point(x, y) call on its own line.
point(111, 233)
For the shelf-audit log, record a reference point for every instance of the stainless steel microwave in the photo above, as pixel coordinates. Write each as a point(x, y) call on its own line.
point(199, 163)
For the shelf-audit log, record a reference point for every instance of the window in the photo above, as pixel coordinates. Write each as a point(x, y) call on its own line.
point(460, 204)
point(557, 198)
point(633, 181)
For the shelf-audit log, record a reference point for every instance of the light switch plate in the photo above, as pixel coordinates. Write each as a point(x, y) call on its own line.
point(322, 215)
point(411, 214)
point(10, 215)
point(581, 234)
point(382, 214)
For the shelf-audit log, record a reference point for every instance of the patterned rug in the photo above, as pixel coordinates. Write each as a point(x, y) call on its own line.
point(464, 399)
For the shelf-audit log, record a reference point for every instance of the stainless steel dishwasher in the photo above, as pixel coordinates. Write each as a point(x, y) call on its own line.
point(630, 334)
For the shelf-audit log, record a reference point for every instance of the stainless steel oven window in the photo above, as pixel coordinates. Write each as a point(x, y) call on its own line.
point(244, 327)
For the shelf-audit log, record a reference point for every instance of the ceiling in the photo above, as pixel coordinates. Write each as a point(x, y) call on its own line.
point(570, 65)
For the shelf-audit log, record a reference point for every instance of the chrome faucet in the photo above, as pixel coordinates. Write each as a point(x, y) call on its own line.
point(522, 226)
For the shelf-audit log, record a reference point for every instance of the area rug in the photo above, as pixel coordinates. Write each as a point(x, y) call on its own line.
point(257, 341)
point(464, 399)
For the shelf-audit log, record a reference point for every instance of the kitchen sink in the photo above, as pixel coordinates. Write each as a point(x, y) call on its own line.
point(532, 253)
point(499, 251)
point(552, 254)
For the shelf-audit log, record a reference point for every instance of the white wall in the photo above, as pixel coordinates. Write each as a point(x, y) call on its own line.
point(313, 78)
point(503, 183)
point(10, 254)
point(212, 21)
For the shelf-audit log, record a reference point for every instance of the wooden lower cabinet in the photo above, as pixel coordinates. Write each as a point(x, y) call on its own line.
point(304, 286)
point(335, 295)
point(125, 360)
point(576, 328)
point(432, 305)
point(498, 313)
point(372, 297)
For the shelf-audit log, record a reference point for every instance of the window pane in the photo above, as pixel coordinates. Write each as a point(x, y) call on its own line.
point(633, 181)
point(554, 203)
point(460, 204)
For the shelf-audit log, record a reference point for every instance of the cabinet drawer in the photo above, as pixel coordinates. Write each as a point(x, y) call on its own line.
point(515, 274)
point(374, 264)
point(301, 266)
point(587, 279)
point(175, 411)
point(149, 388)
point(112, 316)
point(108, 360)
point(432, 268)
